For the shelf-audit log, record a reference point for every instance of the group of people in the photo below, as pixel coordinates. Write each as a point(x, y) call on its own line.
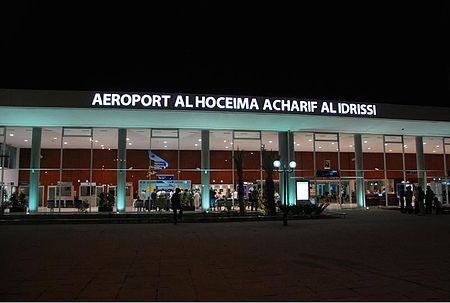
point(423, 203)
point(214, 196)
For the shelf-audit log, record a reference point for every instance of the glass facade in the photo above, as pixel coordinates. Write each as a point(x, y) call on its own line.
point(78, 164)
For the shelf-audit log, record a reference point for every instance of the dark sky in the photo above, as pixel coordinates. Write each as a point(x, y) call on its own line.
point(380, 52)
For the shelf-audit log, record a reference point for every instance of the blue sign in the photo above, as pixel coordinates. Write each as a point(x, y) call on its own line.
point(164, 177)
point(156, 162)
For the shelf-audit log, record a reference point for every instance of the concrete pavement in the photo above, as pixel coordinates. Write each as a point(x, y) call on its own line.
point(371, 255)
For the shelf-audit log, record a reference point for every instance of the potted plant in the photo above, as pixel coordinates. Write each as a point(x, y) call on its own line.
point(187, 200)
point(106, 202)
point(18, 202)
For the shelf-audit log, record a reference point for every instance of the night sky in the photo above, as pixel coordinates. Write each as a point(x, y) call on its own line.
point(382, 52)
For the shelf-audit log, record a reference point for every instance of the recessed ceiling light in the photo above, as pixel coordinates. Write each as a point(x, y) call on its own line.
point(434, 151)
point(128, 139)
point(102, 145)
point(365, 141)
point(96, 141)
point(437, 145)
point(350, 146)
point(26, 140)
point(320, 146)
point(129, 143)
point(270, 141)
point(65, 142)
point(195, 144)
point(310, 140)
point(224, 141)
point(165, 142)
point(199, 140)
point(165, 146)
point(332, 143)
point(54, 138)
point(298, 144)
point(390, 150)
point(424, 143)
point(226, 147)
point(11, 135)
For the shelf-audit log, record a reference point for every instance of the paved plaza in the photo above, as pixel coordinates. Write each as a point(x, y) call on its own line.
point(370, 255)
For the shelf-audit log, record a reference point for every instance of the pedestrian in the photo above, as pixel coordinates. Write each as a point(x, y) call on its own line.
point(176, 205)
point(212, 198)
point(196, 200)
point(153, 197)
point(255, 198)
point(429, 196)
point(401, 196)
point(418, 204)
point(408, 199)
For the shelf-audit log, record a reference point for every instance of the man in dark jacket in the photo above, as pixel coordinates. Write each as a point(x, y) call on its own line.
point(176, 204)
point(408, 199)
point(429, 196)
point(418, 204)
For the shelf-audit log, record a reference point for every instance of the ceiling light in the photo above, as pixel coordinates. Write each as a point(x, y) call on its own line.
point(320, 146)
point(199, 140)
point(54, 138)
point(195, 144)
point(424, 143)
point(224, 141)
point(310, 140)
point(369, 148)
point(332, 143)
point(226, 146)
point(350, 146)
point(128, 139)
point(390, 150)
point(165, 142)
point(365, 141)
point(65, 142)
point(298, 144)
point(129, 143)
point(26, 140)
point(270, 141)
point(165, 146)
point(96, 141)
point(102, 145)
point(11, 135)
point(437, 145)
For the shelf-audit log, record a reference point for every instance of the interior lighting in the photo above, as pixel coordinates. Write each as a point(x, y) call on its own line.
point(298, 144)
point(11, 135)
point(195, 144)
point(437, 145)
point(276, 163)
point(434, 151)
point(390, 150)
point(128, 139)
point(199, 140)
point(96, 141)
point(226, 146)
point(320, 146)
point(165, 142)
point(65, 142)
point(350, 146)
point(270, 141)
point(292, 164)
point(365, 141)
point(424, 143)
point(310, 140)
point(165, 146)
point(369, 148)
point(54, 138)
point(26, 140)
point(129, 143)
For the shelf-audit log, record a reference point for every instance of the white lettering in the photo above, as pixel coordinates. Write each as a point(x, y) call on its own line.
point(106, 99)
point(97, 99)
point(324, 108)
point(267, 104)
point(179, 101)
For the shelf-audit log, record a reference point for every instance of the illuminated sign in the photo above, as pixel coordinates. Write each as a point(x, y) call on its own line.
point(302, 190)
point(231, 103)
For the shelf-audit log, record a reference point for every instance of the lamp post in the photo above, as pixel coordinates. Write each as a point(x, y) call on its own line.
point(285, 169)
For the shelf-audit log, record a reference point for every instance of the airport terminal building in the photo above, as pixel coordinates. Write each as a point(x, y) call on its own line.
point(59, 147)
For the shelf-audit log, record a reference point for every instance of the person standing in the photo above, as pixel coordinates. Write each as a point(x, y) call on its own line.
point(418, 204)
point(212, 199)
point(196, 200)
point(255, 198)
point(401, 196)
point(408, 199)
point(176, 205)
point(429, 196)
